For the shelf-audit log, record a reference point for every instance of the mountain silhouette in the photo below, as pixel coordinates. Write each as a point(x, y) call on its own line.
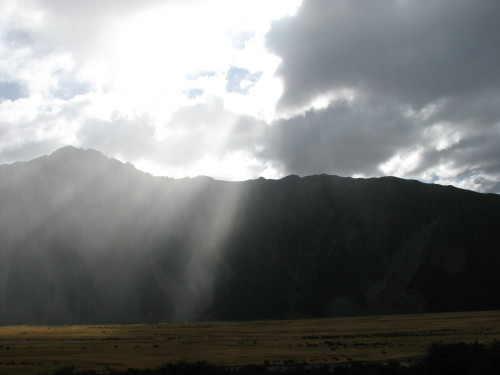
point(87, 239)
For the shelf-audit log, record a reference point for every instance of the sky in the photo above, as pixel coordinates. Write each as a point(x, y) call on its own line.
point(237, 89)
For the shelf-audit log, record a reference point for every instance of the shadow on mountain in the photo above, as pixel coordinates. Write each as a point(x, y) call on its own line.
point(87, 239)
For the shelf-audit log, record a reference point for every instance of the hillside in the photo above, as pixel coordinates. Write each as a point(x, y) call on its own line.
point(88, 239)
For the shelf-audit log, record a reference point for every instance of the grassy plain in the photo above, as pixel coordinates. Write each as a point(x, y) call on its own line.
point(35, 349)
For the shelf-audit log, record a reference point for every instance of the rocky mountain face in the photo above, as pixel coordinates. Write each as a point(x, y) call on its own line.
point(87, 239)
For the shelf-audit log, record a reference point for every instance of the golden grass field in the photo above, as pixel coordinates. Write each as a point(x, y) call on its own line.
point(35, 349)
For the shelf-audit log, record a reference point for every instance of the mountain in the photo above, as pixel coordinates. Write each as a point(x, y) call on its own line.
point(87, 239)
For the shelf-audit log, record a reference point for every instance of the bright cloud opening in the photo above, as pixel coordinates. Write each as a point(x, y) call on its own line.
point(274, 84)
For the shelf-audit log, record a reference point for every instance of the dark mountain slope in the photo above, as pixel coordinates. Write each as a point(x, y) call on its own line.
point(84, 238)
point(325, 245)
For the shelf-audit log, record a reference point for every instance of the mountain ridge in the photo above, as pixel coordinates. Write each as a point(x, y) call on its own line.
point(86, 238)
point(72, 152)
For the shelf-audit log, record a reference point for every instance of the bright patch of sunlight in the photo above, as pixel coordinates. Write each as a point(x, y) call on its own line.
point(154, 54)
point(402, 163)
point(321, 102)
point(235, 166)
point(443, 135)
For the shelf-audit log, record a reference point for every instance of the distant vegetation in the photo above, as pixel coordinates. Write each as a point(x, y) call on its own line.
point(397, 340)
point(441, 359)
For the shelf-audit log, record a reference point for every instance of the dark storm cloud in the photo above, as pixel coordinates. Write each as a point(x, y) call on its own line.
point(426, 78)
point(479, 110)
point(477, 119)
point(419, 51)
point(345, 138)
point(476, 152)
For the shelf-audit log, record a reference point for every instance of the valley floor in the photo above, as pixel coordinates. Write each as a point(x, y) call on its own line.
point(402, 338)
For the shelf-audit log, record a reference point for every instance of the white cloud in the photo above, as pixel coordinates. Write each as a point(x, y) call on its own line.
point(230, 166)
point(442, 136)
point(152, 82)
point(432, 69)
point(117, 75)
point(402, 163)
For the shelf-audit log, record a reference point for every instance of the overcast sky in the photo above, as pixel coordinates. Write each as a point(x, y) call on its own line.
point(238, 89)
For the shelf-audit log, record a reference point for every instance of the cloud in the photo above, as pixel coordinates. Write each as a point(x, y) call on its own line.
point(425, 80)
point(240, 80)
point(356, 88)
point(198, 139)
point(31, 127)
point(201, 138)
point(345, 138)
point(194, 93)
point(418, 51)
point(119, 136)
point(28, 150)
point(11, 91)
point(76, 26)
